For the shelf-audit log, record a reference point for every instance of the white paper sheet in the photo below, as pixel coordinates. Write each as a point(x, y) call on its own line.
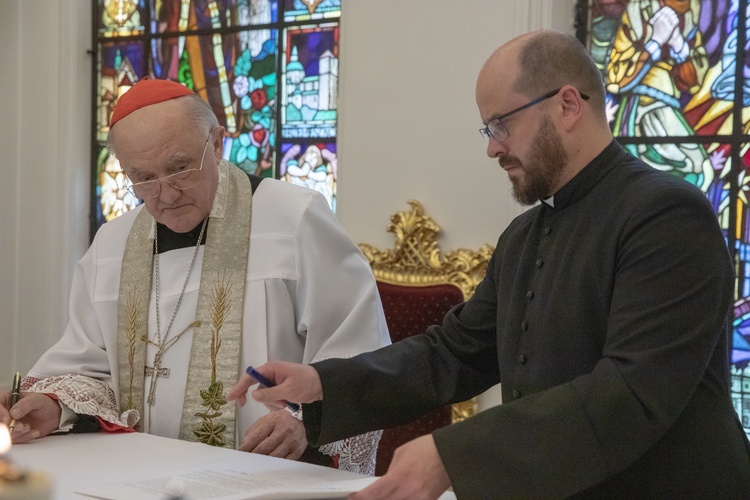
point(227, 481)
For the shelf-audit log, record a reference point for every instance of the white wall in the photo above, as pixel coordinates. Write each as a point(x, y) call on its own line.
point(9, 33)
point(408, 129)
point(408, 120)
point(45, 81)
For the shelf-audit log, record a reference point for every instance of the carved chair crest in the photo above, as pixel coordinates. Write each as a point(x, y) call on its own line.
point(416, 260)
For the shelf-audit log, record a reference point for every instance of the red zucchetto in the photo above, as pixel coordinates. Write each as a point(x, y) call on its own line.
point(145, 93)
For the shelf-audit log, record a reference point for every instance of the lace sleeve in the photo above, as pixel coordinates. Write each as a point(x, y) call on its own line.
point(84, 395)
point(355, 454)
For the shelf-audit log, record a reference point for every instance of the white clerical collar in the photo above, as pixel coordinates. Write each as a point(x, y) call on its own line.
point(550, 201)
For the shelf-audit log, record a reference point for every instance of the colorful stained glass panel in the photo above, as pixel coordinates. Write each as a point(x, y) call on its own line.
point(310, 82)
point(304, 10)
point(251, 141)
point(120, 64)
point(312, 165)
point(121, 17)
point(176, 16)
point(741, 333)
point(651, 86)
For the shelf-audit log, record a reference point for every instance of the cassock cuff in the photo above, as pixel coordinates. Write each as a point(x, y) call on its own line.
point(313, 416)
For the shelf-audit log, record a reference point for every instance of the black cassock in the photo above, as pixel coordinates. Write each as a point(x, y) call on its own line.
point(605, 319)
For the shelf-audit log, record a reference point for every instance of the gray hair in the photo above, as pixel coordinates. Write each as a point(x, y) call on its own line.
point(197, 110)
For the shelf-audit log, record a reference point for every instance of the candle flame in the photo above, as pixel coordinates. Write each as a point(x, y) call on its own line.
point(4, 439)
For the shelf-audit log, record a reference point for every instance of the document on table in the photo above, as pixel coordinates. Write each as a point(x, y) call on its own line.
point(227, 480)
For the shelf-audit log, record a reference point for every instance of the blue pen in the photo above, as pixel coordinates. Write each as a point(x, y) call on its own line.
point(267, 383)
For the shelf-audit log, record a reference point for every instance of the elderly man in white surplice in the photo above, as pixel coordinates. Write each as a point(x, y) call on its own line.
point(216, 270)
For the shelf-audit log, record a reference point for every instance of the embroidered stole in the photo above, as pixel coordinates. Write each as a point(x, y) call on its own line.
point(217, 341)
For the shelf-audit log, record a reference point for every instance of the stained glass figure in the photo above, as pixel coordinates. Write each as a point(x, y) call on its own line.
point(311, 165)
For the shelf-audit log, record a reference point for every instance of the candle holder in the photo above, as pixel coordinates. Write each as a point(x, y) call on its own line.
point(10, 472)
point(15, 482)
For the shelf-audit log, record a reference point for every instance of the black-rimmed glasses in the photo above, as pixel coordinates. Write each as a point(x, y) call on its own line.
point(496, 128)
point(182, 180)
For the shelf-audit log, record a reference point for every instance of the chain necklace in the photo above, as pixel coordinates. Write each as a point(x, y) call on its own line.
point(162, 344)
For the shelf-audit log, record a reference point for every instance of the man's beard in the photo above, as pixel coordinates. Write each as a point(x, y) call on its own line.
point(543, 168)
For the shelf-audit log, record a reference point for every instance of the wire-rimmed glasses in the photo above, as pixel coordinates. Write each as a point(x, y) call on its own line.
point(496, 128)
point(182, 180)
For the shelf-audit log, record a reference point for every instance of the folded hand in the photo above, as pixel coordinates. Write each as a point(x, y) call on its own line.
point(277, 434)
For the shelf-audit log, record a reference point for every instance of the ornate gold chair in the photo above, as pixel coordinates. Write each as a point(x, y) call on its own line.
point(418, 285)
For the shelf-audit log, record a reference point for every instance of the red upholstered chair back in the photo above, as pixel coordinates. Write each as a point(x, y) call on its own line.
point(418, 285)
point(409, 310)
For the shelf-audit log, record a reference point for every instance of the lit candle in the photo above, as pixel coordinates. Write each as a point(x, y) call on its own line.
point(15, 483)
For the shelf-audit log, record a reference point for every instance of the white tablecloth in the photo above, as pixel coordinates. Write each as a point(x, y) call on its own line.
point(86, 461)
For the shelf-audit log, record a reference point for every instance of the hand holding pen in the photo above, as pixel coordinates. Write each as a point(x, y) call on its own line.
point(32, 416)
point(263, 381)
point(14, 397)
point(290, 382)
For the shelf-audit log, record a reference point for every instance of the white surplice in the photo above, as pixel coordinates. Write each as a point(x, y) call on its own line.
point(309, 295)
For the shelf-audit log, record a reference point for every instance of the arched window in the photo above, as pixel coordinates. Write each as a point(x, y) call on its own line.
point(268, 68)
point(678, 97)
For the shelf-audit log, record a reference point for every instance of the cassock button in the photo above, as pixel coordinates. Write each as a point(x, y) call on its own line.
point(521, 359)
point(524, 326)
point(529, 295)
point(547, 230)
point(516, 394)
point(539, 263)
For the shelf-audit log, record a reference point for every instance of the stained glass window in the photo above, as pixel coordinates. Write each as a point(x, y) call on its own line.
point(268, 68)
point(678, 97)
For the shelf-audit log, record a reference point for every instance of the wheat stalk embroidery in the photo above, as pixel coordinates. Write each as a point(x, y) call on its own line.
point(209, 431)
point(132, 306)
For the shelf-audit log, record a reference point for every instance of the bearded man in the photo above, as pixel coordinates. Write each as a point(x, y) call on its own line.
point(604, 313)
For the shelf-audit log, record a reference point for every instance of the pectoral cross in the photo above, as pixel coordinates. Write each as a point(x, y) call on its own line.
point(156, 371)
